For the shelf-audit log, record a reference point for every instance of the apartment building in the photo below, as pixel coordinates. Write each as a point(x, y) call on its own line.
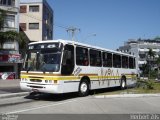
point(36, 19)
point(140, 49)
point(9, 51)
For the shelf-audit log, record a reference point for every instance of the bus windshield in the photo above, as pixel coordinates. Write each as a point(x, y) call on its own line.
point(45, 60)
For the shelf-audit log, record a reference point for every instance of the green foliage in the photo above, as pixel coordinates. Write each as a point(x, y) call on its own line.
point(151, 53)
point(11, 35)
point(145, 70)
point(148, 84)
point(153, 74)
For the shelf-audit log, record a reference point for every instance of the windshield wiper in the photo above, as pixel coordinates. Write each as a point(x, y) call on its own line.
point(43, 68)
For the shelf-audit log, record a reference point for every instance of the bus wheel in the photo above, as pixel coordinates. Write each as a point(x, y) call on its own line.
point(83, 88)
point(123, 83)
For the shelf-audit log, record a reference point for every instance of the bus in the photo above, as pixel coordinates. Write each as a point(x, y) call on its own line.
point(62, 66)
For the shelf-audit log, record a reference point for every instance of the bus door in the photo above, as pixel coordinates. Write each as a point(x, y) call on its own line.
point(68, 60)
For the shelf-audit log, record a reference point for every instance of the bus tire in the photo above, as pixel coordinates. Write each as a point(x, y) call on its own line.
point(123, 83)
point(83, 88)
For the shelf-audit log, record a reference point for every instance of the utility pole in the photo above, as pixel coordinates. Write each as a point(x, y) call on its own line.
point(72, 30)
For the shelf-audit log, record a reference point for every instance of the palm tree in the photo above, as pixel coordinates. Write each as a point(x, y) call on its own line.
point(151, 56)
point(151, 53)
point(145, 69)
point(158, 65)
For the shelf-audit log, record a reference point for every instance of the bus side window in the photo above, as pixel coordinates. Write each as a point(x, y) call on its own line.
point(124, 62)
point(116, 61)
point(68, 60)
point(107, 59)
point(82, 56)
point(134, 63)
point(95, 58)
point(131, 62)
point(104, 59)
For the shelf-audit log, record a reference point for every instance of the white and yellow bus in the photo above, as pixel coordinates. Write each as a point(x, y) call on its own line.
point(61, 66)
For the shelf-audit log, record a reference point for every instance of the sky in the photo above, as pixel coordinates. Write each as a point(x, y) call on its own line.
point(113, 21)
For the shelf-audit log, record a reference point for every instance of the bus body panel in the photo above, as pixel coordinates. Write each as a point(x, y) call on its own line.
point(55, 82)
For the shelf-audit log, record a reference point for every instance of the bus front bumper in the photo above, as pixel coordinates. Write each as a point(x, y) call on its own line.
point(44, 88)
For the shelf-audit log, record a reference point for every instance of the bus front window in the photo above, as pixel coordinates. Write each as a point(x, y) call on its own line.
point(41, 61)
point(50, 62)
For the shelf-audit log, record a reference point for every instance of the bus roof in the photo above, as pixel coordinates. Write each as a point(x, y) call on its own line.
point(80, 44)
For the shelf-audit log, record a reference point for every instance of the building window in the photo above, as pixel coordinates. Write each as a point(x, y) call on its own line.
point(33, 25)
point(3, 2)
point(34, 8)
point(7, 2)
point(23, 26)
point(23, 9)
point(9, 21)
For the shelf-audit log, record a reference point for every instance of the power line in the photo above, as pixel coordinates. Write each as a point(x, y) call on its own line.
point(72, 30)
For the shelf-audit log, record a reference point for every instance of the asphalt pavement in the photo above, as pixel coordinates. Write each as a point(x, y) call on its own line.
point(14, 101)
point(9, 86)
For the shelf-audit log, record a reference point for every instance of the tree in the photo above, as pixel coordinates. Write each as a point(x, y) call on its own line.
point(145, 69)
point(11, 35)
point(151, 54)
point(158, 65)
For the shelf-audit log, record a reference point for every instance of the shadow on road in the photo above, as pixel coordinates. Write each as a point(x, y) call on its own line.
point(51, 97)
point(65, 96)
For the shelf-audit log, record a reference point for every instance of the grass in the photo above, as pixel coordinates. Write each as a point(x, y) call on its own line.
point(142, 87)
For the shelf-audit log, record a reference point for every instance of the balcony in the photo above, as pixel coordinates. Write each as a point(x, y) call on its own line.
point(9, 29)
point(10, 8)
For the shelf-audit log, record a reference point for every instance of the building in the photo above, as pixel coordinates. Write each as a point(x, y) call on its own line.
point(9, 50)
point(36, 19)
point(140, 49)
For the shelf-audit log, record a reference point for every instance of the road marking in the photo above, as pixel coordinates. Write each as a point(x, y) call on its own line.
point(42, 106)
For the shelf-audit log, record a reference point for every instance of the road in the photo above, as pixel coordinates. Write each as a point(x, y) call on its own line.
point(70, 104)
point(9, 86)
point(46, 106)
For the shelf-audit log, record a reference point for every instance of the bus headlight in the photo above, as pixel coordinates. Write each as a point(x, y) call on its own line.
point(50, 81)
point(46, 81)
point(55, 81)
point(24, 79)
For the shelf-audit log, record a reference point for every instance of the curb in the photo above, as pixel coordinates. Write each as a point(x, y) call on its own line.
point(13, 95)
point(127, 96)
point(9, 79)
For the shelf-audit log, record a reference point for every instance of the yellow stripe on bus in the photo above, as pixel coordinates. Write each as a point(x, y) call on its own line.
point(74, 77)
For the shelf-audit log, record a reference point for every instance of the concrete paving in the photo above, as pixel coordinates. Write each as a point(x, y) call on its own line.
point(9, 88)
point(9, 83)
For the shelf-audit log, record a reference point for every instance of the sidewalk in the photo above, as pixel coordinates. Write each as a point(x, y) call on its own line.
point(11, 88)
point(9, 83)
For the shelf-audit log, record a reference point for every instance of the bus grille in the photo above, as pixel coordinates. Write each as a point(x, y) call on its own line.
point(35, 86)
point(35, 80)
